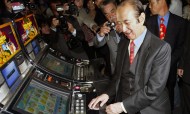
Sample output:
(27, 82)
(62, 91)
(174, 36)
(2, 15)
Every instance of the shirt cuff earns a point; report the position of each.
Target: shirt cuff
(123, 108)
(74, 32)
(100, 38)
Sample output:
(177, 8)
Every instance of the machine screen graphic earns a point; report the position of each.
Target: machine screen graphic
(10, 73)
(27, 28)
(39, 100)
(57, 65)
(8, 43)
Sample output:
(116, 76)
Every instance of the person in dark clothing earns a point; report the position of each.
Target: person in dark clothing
(174, 35)
(184, 75)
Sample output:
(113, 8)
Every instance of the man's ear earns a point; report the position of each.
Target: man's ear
(141, 18)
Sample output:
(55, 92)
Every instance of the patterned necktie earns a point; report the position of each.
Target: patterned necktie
(162, 29)
(132, 49)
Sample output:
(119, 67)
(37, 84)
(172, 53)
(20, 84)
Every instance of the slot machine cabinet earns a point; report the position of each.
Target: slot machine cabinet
(30, 39)
(15, 69)
(9, 48)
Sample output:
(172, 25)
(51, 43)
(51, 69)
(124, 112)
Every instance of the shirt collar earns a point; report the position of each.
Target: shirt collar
(166, 17)
(138, 41)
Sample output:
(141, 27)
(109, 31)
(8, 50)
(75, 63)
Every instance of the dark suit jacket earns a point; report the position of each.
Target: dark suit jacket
(175, 34)
(150, 94)
(185, 61)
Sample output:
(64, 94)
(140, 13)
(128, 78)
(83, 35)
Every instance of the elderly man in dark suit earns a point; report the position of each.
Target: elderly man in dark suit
(142, 68)
(173, 33)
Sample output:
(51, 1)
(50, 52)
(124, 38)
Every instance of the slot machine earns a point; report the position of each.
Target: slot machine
(13, 66)
(20, 80)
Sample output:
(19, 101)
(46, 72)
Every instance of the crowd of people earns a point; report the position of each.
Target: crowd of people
(145, 47)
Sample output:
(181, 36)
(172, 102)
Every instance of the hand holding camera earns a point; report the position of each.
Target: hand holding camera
(105, 29)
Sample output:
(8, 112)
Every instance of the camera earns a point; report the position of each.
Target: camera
(110, 24)
(30, 5)
(63, 23)
(17, 6)
(72, 9)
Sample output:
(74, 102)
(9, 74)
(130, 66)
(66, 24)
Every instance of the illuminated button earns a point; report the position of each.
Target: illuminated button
(77, 104)
(77, 108)
(77, 101)
(49, 78)
(82, 111)
(82, 108)
(82, 101)
(82, 104)
(77, 112)
(79, 95)
(77, 87)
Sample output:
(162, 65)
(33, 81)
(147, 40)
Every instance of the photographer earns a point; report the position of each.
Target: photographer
(109, 31)
(68, 36)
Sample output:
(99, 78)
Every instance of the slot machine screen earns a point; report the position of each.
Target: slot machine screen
(27, 28)
(56, 65)
(10, 73)
(36, 50)
(9, 45)
(34, 43)
(36, 46)
(40, 99)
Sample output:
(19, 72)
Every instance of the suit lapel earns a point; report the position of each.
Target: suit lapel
(121, 56)
(143, 54)
(170, 26)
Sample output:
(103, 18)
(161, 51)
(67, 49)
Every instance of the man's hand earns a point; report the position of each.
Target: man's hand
(94, 104)
(180, 72)
(114, 108)
(70, 27)
(104, 30)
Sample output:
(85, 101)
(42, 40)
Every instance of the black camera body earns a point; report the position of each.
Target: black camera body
(63, 23)
(30, 5)
(110, 24)
(63, 19)
(73, 9)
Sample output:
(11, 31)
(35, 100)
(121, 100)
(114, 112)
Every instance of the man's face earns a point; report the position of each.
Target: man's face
(155, 6)
(55, 22)
(8, 4)
(109, 11)
(98, 2)
(79, 3)
(131, 25)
